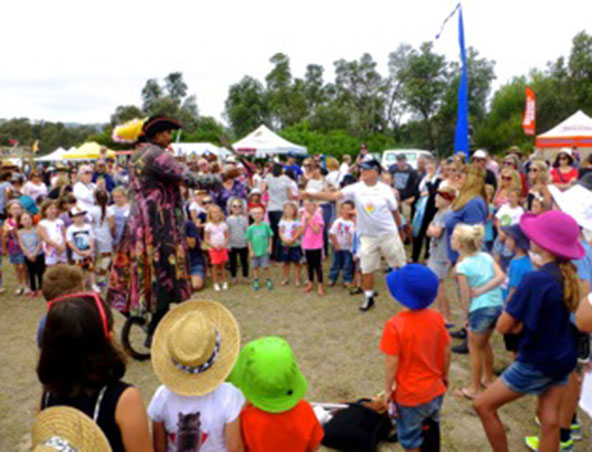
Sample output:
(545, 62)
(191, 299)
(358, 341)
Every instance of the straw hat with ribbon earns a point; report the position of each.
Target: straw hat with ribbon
(67, 429)
(195, 346)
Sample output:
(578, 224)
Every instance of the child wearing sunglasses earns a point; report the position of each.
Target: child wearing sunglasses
(238, 223)
(80, 366)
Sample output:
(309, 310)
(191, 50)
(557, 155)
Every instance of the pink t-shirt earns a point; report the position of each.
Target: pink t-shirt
(217, 232)
(310, 240)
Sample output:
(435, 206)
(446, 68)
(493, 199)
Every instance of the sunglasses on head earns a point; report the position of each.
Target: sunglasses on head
(236, 206)
(86, 295)
(206, 202)
(508, 162)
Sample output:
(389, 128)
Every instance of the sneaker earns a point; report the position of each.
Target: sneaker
(368, 304)
(19, 291)
(576, 431)
(583, 342)
(2, 290)
(269, 284)
(225, 286)
(461, 349)
(460, 334)
(532, 442)
(256, 285)
(216, 287)
(96, 288)
(356, 291)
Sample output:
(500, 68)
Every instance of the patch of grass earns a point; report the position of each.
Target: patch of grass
(336, 347)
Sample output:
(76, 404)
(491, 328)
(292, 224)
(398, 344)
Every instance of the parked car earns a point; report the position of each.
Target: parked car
(389, 157)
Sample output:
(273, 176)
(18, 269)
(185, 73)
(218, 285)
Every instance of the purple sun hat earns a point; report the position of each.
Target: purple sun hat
(554, 231)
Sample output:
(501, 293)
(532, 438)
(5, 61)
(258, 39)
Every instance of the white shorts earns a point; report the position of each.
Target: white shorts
(371, 248)
(54, 258)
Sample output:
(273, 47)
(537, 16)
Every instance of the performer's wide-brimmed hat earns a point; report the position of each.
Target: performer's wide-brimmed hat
(158, 123)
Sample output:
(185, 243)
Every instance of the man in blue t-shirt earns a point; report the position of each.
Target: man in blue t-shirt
(292, 165)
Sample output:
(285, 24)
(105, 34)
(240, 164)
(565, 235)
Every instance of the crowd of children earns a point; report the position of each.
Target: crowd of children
(521, 273)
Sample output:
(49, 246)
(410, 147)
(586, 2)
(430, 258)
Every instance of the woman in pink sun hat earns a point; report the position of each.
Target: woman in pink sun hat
(539, 312)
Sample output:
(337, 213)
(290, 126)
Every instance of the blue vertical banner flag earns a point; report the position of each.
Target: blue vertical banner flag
(461, 131)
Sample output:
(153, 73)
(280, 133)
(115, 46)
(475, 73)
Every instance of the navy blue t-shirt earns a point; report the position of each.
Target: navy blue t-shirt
(548, 340)
(195, 256)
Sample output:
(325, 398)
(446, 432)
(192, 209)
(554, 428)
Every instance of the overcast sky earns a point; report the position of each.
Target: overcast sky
(75, 61)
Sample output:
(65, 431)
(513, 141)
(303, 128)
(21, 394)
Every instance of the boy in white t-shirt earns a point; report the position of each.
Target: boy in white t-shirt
(341, 235)
(80, 239)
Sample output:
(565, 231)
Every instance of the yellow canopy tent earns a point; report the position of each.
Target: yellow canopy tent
(88, 151)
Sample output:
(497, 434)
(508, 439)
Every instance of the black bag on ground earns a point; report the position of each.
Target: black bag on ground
(358, 429)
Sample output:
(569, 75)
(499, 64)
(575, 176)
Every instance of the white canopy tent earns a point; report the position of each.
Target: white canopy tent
(574, 131)
(52, 156)
(198, 149)
(265, 142)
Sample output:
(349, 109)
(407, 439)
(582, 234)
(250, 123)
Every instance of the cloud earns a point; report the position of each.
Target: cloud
(70, 61)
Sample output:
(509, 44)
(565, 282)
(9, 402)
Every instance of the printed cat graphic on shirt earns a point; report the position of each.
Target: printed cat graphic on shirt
(189, 436)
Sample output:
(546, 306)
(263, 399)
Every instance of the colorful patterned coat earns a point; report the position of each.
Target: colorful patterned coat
(150, 264)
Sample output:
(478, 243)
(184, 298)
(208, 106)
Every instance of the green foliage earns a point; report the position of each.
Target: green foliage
(246, 106)
(413, 105)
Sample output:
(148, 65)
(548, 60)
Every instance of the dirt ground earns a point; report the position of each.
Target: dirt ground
(336, 346)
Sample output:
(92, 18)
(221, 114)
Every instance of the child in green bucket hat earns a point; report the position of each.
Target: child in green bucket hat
(276, 416)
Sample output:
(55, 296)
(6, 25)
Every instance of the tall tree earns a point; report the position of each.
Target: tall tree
(286, 98)
(424, 81)
(362, 89)
(124, 113)
(246, 106)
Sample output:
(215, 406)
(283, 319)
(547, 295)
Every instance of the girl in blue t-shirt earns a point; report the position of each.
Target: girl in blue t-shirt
(479, 278)
(539, 311)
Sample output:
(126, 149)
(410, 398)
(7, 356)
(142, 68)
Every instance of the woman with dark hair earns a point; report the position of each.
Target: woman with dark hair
(563, 174)
(231, 187)
(278, 186)
(428, 187)
(585, 166)
(80, 366)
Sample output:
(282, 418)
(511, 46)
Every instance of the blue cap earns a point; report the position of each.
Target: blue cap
(371, 164)
(516, 233)
(414, 286)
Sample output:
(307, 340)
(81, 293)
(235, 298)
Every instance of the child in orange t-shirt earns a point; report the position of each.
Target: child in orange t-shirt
(276, 417)
(417, 349)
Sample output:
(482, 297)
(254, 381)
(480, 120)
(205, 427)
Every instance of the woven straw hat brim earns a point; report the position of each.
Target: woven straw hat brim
(185, 383)
(71, 425)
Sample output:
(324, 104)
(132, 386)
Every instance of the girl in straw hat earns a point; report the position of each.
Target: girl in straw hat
(65, 428)
(80, 366)
(194, 349)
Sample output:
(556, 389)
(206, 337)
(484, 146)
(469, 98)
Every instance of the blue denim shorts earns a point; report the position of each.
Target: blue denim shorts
(483, 320)
(198, 269)
(17, 258)
(525, 378)
(410, 421)
(260, 261)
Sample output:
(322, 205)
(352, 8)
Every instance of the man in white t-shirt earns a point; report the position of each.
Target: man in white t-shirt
(378, 223)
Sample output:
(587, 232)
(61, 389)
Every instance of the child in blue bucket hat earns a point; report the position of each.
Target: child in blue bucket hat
(518, 244)
(417, 348)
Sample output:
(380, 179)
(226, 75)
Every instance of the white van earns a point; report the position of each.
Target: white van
(389, 157)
